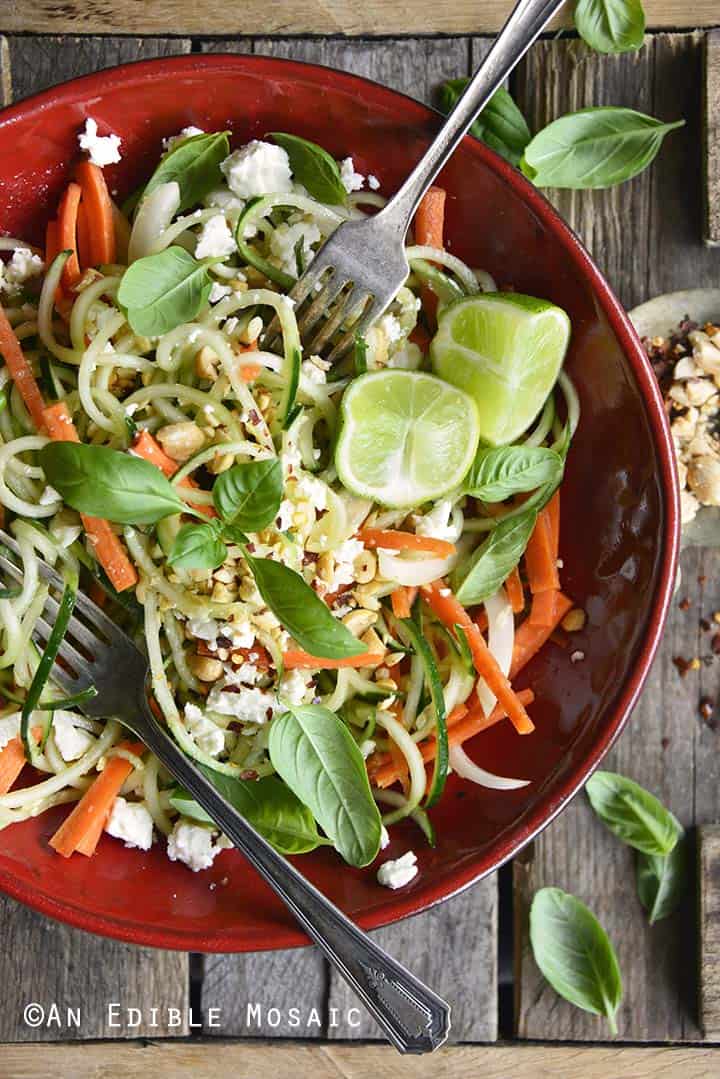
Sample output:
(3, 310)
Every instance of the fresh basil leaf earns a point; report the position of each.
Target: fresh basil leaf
(498, 473)
(434, 683)
(633, 814)
(594, 148)
(489, 565)
(314, 168)
(574, 953)
(302, 612)
(500, 125)
(267, 803)
(661, 882)
(197, 546)
(249, 495)
(162, 291)
(611, 25)
(314, 752)
(194, 165)
(107, 483)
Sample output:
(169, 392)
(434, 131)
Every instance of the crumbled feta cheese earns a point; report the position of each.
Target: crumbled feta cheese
(351, 180)
(249, 705)
(384, 837)
(310, 489)
(230, 204)
(285, 239)
(283, 521)
(392, 329)
(207, 735)
(22, 266)
(291, 460)
(373, 182)
(295, 687)
(577, 657)
(215, 239)
(71, 741)
(398, 872)
(312, 371)
(439, 523)
(344, 568)
(103, 149)
(9, 729)
(239, 632)
(131, 822)
(187, 133)
(203, 629)
(407, 358)
(49, 496)
(193, 844)
(218, 292)
(260, 168)
(245, 674)
(368, 746)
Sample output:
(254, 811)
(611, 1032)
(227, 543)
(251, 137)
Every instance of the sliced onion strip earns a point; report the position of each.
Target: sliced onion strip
(467, 769)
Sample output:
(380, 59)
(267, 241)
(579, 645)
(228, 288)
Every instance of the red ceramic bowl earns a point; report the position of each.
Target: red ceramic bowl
(619, 514)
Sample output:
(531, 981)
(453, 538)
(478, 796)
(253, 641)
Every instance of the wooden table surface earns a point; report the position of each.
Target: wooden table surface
(647, 236)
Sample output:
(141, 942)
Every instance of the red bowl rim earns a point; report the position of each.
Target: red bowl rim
(514, 838)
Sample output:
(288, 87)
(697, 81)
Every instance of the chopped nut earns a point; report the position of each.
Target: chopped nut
(181, 440)
(221, 462)
(222, 594)
(704, 479)
(252, 331)
(206, 363)
(359, 621)
(365, 567)
(205, 668)
(325, 567)
(373, 643)
(574, 620)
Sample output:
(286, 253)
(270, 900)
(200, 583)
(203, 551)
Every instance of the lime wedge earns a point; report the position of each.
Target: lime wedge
(505, 350)
(405, 438)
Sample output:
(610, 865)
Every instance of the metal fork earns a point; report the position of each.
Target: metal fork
(95, 652)
(358, 271)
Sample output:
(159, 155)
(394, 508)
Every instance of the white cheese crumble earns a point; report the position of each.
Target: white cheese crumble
(131, 822)
(351, 180)
(71, 741)
(9, 729)
(218, 292)
(203, 629)
(193, 845)
(384, 838)
(103, 149)
(215, 239)
(344, 568)
(187, 133)
(398, 872)
(284, 518)
(285, 239)
(22, 266)
(251, 705)
(49, 496)
(309, 489)
(373, 182)
(207, 735)
(295, 687)
(439, 523)
(260, 168)
(312, 371)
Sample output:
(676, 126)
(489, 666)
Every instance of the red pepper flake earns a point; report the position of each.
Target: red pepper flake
(715, 643)
(684, 604)
(704, 625)
(707, 709)
(682, 664)
(664, 742)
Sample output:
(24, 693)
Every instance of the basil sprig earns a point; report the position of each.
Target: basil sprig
(498, 473)
(249, 495)
(633, 814)
(611, 26)
(194, 165)
(162, 291)
(500, 125)
(489, 565)
(313, 751)
(574, 953)
(314, 168)
(198, 546)
(594, 148)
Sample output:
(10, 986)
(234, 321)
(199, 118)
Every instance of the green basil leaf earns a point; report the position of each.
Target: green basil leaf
(162, 291)
(434, 683)
(249, 495)
(314, 752)
(194, 165)
(107, 483)
(498, 473)
(496, 557)
(594, 148)
(574, 953)
(267, 803)
(302, 612)
(500, 125)
(197, 546)
(611, 25)
(633, 814)
(314, 168)
(661, 882)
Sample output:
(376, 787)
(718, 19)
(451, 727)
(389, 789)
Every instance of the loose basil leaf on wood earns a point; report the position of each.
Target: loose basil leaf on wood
(633, 814)
(107, 483)
(594, 148)
(162, 291)
(314, 168)
(574, 953)
(194, 165)
(661, 882)
(249, 495)
(611, 25)
(489, 565)
(267, 803)
(302, 612)
(197, 546)
(500, 125)
(498, 473)
(314, 752)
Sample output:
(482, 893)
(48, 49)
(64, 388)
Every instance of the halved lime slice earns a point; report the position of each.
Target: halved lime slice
(505, 350)
(406, 437)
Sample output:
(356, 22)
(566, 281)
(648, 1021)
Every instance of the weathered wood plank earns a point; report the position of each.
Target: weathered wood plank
(296, 17)
(711, 109)
(5, 87)
(189, 1060)
(709, 929)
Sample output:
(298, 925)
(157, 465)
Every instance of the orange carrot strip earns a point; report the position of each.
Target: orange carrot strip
(514, 588)
(81, 830)
(540, 559)
(67, 233)
(108, 548)
(299, 660)
(101, 224)
(430, 218)
(13, 760)
(529, 639)
(402, 600)
(406, 541)
(250, 371)
(452, 613)
(83, 237)
(147, 447)
(553, 510)
(21, 371)
(542, 610)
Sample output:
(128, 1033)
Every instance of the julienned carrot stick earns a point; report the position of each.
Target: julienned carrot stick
(21, 371)
(147, 447)
(83, 237)
(250, 371)
(452, 613)
(514, 588)
(81, 830)
(67, 233)
(430, 218)
(98, 204)
(406, 541)
(553, 509)
(402, 600)
(540, 557)
(542, 610)
(108, 548)
(299, 660)
(529, 639)
(13, 760)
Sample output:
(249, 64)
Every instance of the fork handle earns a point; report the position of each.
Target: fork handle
(526, 21)
(415, 1019)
